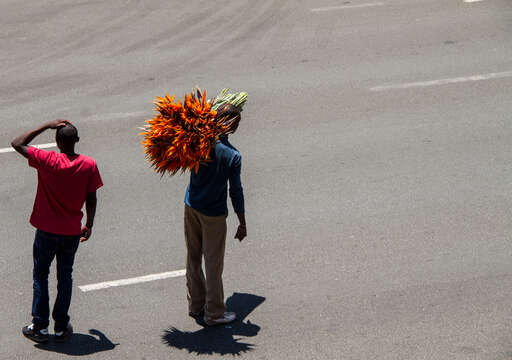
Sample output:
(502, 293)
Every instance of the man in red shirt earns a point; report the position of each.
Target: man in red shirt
(65, 181)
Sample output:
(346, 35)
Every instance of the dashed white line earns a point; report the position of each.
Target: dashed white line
(41, 146)
(472, 1)
(343, 7)
(444, 81)
(131, 281)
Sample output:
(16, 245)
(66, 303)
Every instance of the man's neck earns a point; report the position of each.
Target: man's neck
(69, 152)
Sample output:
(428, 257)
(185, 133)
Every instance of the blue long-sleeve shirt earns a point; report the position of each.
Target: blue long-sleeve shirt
(207, 190)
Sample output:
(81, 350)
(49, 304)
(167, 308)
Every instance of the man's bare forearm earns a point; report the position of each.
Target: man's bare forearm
(241, 218)
(241, 232)
(21, 142)
(90, 208)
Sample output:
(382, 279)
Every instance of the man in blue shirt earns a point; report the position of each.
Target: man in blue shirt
(206, 211)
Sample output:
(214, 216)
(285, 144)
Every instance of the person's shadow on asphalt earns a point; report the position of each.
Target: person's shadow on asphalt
(219, 339)
(81, 344)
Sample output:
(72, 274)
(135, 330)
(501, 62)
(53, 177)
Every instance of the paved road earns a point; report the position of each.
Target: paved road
(378, 197)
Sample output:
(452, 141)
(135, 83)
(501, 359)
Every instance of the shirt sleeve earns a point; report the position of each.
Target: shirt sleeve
(38, 158)
(95, 181)
(236, 192)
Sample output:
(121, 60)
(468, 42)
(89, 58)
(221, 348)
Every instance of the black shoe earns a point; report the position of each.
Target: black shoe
(65, 335)
(34, 334)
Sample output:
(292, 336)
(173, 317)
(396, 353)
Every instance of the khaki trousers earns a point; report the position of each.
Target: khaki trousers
(205, 236)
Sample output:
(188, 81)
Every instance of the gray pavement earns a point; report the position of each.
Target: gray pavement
(379, 221)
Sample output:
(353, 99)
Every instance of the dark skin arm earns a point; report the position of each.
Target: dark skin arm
(90, 208)
(241, 232)
(20, 144)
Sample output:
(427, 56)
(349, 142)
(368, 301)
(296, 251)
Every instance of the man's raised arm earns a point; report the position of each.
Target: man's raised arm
(20, 144)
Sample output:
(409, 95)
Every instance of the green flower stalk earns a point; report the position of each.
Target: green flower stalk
(225, 97)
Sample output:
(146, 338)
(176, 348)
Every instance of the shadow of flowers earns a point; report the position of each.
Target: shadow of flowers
(219, 339)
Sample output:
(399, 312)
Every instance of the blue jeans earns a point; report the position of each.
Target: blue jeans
(46, 247)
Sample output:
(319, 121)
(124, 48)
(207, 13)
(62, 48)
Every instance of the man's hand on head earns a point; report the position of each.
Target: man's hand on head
(58, 123)
(20, 144)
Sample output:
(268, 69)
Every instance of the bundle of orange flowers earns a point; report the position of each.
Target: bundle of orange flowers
(181, 135)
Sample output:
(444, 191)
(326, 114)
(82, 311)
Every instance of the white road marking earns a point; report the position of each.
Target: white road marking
(444, 81)
(342, 7)
(41, 146)
(470, 1)
(131, 281)
(6, 150)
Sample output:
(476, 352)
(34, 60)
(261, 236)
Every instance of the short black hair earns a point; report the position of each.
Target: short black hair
(229, 115)
(67, 134)
(228, 111)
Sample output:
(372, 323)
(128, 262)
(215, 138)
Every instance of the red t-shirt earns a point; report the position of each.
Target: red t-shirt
(63, 183)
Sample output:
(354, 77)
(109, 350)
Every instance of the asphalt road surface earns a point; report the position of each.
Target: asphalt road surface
(377, 174)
